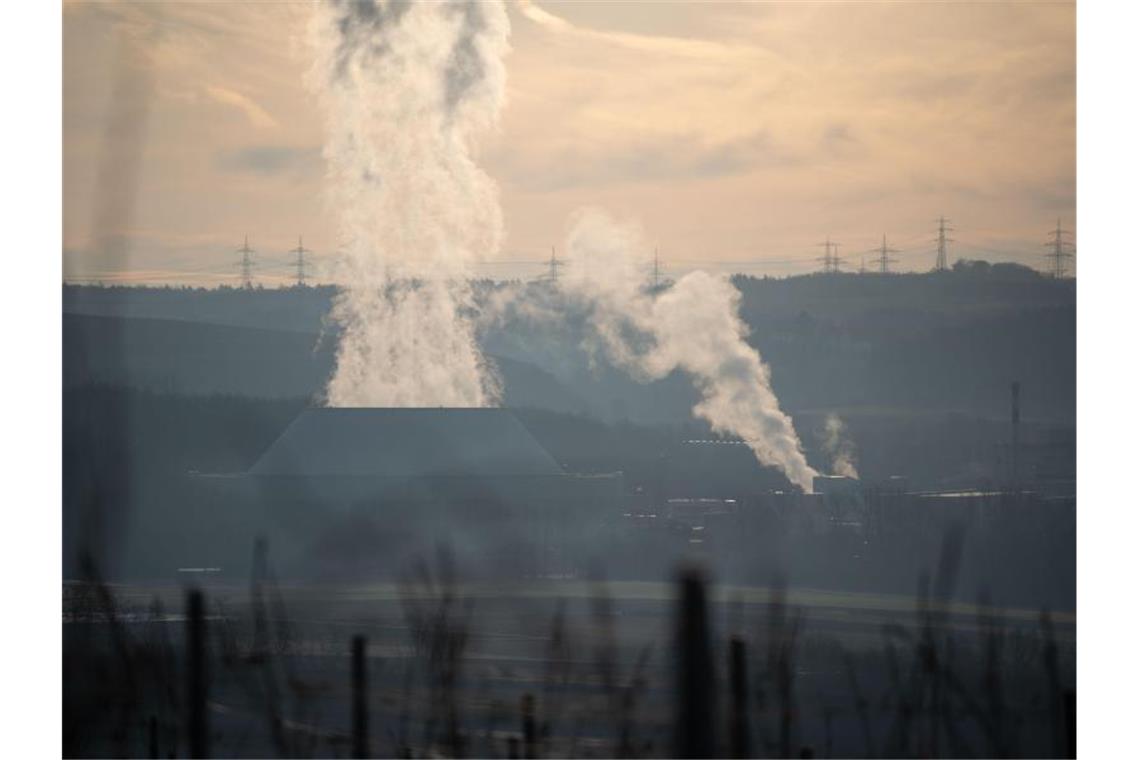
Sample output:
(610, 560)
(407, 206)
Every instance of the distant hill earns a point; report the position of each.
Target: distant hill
(949, 341)
(162, 381)
(909, 343)
(282, 309)
(194, 358)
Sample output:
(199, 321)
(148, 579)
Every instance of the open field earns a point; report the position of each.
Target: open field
(453, 668)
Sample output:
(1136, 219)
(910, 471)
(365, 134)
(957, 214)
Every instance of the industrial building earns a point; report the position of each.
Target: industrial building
(363, 490)
(834, 485)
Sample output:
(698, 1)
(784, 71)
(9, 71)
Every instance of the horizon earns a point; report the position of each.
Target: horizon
(535, 271)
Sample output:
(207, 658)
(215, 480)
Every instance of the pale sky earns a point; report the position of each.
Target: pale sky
(739, 135)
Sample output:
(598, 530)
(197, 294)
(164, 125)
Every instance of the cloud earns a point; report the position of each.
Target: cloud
(257, 115)
(653, 158)
(685, 47)
(270, 160)
(839, 140)
(1057, 196)
(735, 112)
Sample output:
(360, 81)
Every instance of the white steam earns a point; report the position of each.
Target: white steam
(839, 447)
(406, 88)
(693, 326)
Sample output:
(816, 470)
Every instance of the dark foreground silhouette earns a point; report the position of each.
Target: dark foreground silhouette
(433, 666)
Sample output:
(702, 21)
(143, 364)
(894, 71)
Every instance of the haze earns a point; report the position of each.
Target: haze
(740, 135)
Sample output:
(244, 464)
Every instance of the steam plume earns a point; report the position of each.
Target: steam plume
(693, 326)
(839, 447)
(406, 88)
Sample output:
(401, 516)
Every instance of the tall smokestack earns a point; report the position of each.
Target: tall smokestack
(1015, 422)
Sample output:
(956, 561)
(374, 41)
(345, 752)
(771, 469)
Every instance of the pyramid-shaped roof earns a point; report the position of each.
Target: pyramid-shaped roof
(405, 444)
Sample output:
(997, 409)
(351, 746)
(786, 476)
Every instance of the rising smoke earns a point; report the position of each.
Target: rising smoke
(837, 444)
(406, 89)
(692, 326)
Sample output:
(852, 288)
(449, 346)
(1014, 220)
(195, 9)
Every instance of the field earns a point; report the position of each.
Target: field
(564, 668)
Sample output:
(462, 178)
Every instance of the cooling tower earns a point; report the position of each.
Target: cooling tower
(366, 489)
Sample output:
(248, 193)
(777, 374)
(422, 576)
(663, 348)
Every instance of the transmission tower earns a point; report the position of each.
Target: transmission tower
(830, 259)
(656, 269)
(246, 264)
(942, 240)
(884, 259)
(826, 258)
(300, 252)
(1063, 250)
(554, 265)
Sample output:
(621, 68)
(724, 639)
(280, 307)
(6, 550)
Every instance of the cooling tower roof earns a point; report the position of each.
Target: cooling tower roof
(405, 444)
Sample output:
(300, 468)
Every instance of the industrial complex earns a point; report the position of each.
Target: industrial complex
(360, 490)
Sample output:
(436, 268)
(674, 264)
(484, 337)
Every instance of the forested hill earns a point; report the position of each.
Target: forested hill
(894, 302)
(939, 341)
(910, 343)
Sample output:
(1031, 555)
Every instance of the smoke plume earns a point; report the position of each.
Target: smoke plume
(692, 326)
(406, 88)
(839, 447)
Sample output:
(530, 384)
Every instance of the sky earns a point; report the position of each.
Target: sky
(738, 135)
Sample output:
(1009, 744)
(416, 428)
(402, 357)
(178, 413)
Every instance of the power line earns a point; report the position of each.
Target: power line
(246, 264)
(1063, 250)
(826, 258)
(554, 265)
(836, 262)
(830, 259)
(884, 259)
(300, 251)
(942, 240)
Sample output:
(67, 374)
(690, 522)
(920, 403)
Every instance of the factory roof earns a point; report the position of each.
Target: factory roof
(406, 444)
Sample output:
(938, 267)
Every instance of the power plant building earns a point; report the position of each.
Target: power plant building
(366, 488)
